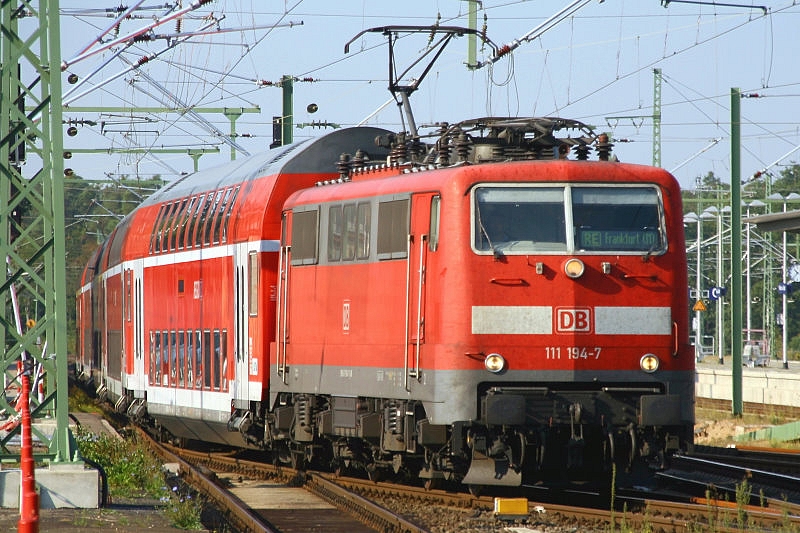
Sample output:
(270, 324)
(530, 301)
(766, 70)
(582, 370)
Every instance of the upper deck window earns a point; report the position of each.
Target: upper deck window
(567, 219)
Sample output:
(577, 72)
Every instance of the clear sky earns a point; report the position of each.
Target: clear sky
(595, 65)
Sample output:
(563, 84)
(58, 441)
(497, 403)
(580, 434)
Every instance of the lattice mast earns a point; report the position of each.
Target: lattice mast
(33, 318)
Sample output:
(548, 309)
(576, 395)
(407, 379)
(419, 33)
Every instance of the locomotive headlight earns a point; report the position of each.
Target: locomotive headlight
(649, 363)
(574, 268)
(494, 363)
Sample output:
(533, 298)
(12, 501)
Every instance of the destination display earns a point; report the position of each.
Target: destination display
(608, 239)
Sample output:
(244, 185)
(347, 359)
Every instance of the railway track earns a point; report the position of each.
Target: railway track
(270, 508)
(759, 485)
(390, 507)
(778, 460)
(384, 506)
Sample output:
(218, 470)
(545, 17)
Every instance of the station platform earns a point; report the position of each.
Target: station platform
(770, 385)
(60, 485)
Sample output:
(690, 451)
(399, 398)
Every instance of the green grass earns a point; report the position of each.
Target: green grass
(80, 402)
(132, 471)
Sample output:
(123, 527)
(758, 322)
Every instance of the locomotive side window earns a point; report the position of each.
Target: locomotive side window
(393, 229)
(433, 232)
(252, 283)
(349, 214)
(335, 230)
(520, 219)
(617, 219)
(364, 218)
(304, 237)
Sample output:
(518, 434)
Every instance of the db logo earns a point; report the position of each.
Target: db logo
(574, 320)
(346, 317)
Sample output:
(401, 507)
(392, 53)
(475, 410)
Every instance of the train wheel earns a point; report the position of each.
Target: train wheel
(282, 455)
(298, 459)
(374, 474)
(433, 483)
(476, 490)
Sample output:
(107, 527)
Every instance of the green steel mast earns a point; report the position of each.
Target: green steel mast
(33, 318)
(657, 117)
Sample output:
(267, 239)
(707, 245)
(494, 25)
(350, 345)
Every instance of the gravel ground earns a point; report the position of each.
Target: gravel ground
(129, 517)
(136, 516)
(451, 520)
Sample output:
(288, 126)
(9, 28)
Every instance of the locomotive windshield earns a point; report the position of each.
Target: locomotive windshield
(602, 219)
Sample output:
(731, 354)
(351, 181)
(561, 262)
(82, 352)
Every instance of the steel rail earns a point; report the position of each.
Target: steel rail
(243, 517)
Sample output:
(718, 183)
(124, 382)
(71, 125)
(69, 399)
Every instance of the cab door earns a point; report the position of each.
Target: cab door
(418, 247)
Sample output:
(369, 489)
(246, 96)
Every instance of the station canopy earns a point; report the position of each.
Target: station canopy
(784, 221)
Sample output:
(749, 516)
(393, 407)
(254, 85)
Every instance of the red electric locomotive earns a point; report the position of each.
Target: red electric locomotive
(489, 306)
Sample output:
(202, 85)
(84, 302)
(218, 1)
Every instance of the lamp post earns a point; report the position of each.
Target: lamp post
(693, 218)
(785, 287)
(748, 256)
(713, 211)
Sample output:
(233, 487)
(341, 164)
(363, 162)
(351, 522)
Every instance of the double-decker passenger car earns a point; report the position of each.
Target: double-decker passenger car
(486, 307)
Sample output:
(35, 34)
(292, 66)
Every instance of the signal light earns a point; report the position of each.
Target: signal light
(72, 131)
(72, 79)
(67, 155)
(312, 108)
(68, 172)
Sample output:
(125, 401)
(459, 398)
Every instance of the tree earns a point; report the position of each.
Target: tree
(92, 209)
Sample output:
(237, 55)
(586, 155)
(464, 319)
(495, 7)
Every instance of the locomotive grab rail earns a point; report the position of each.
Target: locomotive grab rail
(409, 371)
(651, 277)
(409, 240)
(654, 390)
(675, 339)
(423, 239)
(509, 281)
(283, 267)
